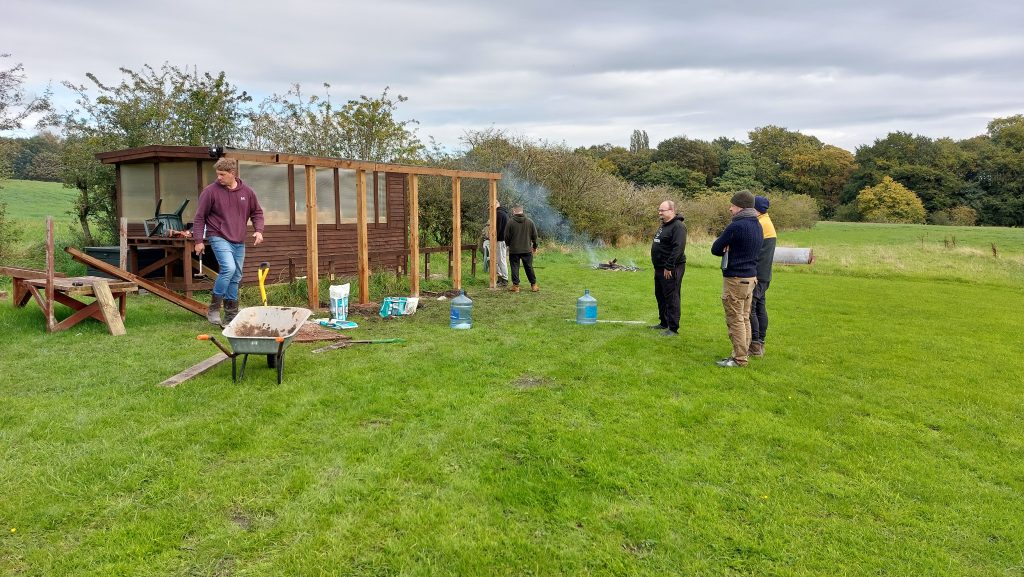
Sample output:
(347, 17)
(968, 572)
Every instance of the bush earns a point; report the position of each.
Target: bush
(963, 216)
(939, 218)
(890, 201)
(847, 213)
(10, 236)
(707, 214)
(793, 211)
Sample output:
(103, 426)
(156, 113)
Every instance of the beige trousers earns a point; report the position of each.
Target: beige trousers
(737, 296)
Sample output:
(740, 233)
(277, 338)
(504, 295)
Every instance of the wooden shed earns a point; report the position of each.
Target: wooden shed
(323, 215)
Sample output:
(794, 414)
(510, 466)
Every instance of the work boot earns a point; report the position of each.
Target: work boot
(230, 311)
(514, 288)
(756, 349)
(535, 288)
(213, 313)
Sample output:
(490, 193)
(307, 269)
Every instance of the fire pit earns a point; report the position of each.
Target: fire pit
(613, 265)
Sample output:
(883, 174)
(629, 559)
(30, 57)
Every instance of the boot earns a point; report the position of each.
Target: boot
(213, 314)
(230, 311)
(756, 349)
(535, 288)
(514, 288)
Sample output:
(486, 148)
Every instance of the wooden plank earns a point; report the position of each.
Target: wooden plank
(456, 272)
(492, 232)
(312, 249)
(160, 291)
(51, 323)
(414, 235)
(195, 370)
(362, 240)
(108, 308)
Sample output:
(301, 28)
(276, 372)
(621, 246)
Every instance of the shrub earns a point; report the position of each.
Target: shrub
(890, 201)
(706, 214)
(939, 218)
(10, 235)
(963, 216)
(847, 213)
(793, 211)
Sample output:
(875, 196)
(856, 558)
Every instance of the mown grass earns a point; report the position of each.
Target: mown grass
(881, 434)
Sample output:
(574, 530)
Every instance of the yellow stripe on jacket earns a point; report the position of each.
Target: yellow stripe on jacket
(767, 225)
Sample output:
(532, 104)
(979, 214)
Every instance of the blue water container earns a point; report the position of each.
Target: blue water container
(586, 309)
(462, 312)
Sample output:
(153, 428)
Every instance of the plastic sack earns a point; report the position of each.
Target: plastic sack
(339, 301)
(398, 306)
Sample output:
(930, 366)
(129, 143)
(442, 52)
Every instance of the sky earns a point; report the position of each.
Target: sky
(578, 72)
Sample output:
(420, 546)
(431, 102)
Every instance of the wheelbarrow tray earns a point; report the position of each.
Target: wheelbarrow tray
(255, 330)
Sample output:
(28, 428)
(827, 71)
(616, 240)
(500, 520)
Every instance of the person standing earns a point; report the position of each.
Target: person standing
(225, 208)
(501, 222)
(739, 245)
(668, 255)
(758, 310)
(521, 239)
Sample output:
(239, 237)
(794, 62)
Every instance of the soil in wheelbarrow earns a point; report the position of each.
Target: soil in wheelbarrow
(261, 330)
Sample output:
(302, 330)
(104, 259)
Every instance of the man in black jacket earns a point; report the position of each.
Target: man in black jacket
(739, 246)
(668, 255)
(502, 255)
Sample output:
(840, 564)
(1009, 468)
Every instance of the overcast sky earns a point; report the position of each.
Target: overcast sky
(572, 71)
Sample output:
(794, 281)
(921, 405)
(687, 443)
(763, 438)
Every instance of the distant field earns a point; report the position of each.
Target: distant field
(32, 199)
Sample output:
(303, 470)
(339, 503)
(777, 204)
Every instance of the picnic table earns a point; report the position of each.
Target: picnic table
(108, 306)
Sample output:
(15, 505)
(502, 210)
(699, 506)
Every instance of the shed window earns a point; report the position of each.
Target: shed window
(138, 192)
(270, 182)
(324, 195)
(177, 183)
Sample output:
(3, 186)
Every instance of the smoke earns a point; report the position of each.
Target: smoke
(551, 223)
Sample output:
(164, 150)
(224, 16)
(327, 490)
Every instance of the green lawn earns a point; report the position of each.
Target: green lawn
(881, 435)
(33, 199)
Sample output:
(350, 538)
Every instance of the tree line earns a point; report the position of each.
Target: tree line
(600, 192)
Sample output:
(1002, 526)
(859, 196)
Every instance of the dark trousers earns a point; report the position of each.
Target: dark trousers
(666, 291)
(527, 260)
(758, 313)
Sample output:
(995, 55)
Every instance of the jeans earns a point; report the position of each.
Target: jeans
(230, 257)
(759, 313)
(737, 296)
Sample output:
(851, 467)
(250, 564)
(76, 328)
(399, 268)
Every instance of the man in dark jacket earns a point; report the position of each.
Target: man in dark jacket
(668, 255)
(521, 238)
(739, 245)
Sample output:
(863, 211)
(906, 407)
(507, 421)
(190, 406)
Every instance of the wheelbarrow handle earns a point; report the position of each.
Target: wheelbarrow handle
(216, 342)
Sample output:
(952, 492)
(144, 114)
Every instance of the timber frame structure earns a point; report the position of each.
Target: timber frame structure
(148, 174)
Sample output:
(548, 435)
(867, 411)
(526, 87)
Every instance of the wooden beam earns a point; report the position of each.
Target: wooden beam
(312, 249)
(122, 235)
(51, 323)
(457, 232)
(492, 233)
(108, 308)
(414, 234)
(195, 370)
(362, 239)
(157, 289)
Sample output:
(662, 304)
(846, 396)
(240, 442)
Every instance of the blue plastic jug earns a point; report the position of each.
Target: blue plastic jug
(586, 309)
(462, 311)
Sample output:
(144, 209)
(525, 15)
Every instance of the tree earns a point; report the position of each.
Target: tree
(362, 129)
(15, 105)
(890, 201)
(740, 172)
(639, 142)
(172, 106)
(696, 155)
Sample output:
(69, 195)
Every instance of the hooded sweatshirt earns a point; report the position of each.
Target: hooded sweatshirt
(669, 247)
(743, 237)
(520, 235)
(225, 213)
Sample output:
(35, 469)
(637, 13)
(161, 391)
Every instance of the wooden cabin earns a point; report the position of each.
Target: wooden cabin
(322, 215)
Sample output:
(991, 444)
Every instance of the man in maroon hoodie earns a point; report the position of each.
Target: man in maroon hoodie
(225, 208)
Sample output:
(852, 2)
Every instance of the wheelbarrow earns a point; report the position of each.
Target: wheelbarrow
(261, 331)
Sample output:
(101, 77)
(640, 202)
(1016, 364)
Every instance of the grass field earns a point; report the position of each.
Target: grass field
(881, 435)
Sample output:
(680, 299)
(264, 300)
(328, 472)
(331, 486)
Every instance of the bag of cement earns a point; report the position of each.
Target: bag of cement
(398, 306)
(339, 301)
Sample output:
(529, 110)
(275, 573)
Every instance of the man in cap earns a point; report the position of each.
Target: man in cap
(758, 312)
(739, 245)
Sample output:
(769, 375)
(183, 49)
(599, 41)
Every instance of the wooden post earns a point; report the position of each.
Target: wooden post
(123, 236)
(414, 235)
(457, 232)
(492, 233)
(362, 241)
(312, 250)
(51, 323)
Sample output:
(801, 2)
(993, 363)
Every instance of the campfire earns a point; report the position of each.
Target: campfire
(613, 265)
